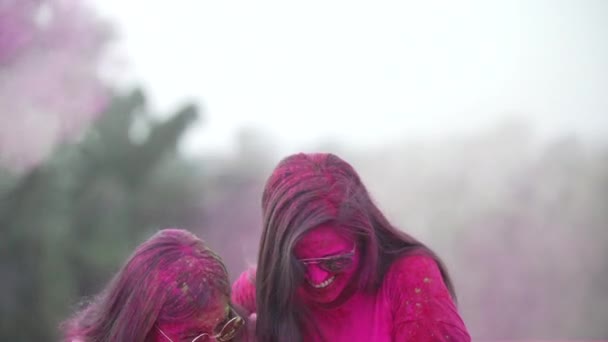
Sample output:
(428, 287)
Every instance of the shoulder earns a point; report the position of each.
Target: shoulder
(246, 278)
(413, 274)
(414, 267)
(243, 290)
(422, 306)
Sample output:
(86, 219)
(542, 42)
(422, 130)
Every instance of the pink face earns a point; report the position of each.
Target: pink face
(331, 260)
(215, 314)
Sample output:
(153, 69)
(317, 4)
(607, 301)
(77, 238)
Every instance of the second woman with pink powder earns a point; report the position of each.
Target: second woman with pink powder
(331, 267)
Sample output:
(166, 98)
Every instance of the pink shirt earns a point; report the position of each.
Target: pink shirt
(413, 304)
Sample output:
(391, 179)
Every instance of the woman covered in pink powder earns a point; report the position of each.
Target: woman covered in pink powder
(332, 268)
(172, 288)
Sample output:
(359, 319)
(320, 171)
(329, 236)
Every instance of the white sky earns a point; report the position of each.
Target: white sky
(365, 72)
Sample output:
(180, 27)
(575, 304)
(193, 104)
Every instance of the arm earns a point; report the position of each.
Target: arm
(243, 291)
(422, 307)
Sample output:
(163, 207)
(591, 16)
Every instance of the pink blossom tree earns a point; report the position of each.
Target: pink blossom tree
(51, 52)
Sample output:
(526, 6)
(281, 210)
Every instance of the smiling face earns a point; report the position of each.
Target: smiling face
(330, 260)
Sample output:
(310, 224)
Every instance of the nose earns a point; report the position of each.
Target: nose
(316, 275)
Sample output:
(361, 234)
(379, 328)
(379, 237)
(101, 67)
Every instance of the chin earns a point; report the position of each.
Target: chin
(326, 295)
(324, 298)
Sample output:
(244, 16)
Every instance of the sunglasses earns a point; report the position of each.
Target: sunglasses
(228, 330)
(334, 263)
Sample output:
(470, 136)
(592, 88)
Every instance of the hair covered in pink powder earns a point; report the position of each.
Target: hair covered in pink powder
(172, 281)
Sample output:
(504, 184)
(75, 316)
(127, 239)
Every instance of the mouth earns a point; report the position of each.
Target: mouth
(324, 284)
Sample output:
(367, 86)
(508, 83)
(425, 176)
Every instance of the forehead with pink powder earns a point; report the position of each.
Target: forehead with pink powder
(324, 240)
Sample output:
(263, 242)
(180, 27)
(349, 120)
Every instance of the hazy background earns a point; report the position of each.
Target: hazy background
(480, 127)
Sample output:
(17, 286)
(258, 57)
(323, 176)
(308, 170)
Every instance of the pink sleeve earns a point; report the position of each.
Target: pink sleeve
(422, 307)
(243, 291)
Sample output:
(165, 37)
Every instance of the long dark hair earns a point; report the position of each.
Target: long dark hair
(172, 277)
(304, 191)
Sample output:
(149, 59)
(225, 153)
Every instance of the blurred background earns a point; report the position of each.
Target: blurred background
(480, 127)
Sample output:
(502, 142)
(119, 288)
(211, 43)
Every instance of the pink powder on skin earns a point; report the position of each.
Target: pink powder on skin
(320, 242)
(412, 304)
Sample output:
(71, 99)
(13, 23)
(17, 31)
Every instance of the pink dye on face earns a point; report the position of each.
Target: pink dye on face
(325, 241)
(412, 304)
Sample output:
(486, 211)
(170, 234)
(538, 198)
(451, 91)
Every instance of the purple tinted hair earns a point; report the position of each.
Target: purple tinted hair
(172, 277)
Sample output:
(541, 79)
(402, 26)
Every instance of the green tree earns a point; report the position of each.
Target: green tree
(69, 222)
